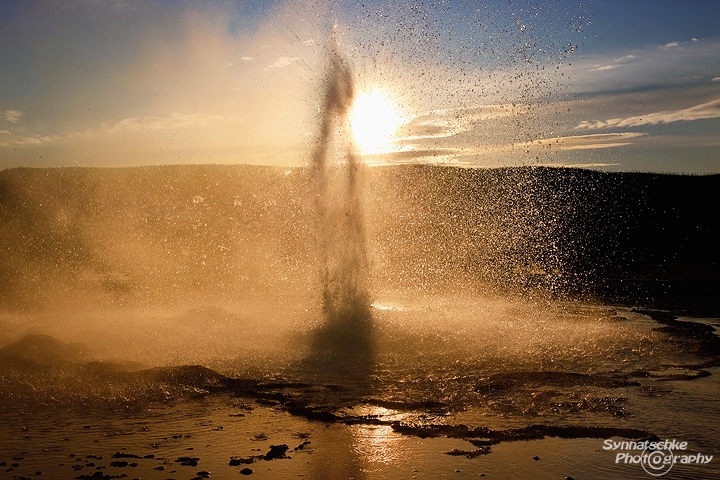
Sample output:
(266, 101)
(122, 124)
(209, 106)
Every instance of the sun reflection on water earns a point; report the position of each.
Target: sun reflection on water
(377, 443)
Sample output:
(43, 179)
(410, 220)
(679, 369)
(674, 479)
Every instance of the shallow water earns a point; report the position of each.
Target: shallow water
(494, 363)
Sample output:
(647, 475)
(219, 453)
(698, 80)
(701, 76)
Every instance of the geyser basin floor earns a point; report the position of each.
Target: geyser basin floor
(181, 439)
(551, 380)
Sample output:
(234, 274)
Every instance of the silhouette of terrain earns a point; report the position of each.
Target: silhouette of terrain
(166, 234)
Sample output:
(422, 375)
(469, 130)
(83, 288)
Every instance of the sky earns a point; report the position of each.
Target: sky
(610, 85)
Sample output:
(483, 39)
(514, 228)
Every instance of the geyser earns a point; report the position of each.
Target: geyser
(345, 335)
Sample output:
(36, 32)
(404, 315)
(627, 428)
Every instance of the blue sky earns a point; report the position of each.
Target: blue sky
(612, 85)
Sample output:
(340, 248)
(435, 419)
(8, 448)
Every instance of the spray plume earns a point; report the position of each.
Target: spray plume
(339, 221)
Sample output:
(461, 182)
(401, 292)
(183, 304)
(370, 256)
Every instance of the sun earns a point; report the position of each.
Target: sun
(374, 119)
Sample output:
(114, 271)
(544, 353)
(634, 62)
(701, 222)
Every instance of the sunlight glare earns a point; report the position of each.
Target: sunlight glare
(374, 119)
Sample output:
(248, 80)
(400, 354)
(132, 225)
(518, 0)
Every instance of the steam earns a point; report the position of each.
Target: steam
(339, 220)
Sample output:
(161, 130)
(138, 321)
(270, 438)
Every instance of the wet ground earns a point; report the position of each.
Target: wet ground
(522, 391)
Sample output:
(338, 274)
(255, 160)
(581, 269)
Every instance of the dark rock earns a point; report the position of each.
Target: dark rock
(100, 476)
(468, 453)
(119, 463)
(188, 461)
(276, 451)
(302, 445)
(536, 458)
(234, 461)
(203, 474)
(161, 468)
(124, 455)
(246, 471)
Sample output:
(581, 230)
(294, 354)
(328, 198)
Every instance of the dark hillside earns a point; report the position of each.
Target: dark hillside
(191, 233)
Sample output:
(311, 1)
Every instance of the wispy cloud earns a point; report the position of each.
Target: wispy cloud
(562, 143)
(12, 116)
(283, 62)
(449, 122)
(585, 165)
(618, 62)
(583, 142)
(600, 68)
(698, 112)
(626, 58)
(175, 120)
(671, 45)
(127, 125)
(716, 79)
(8, 139)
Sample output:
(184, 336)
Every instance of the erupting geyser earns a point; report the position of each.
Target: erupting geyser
(339, 224)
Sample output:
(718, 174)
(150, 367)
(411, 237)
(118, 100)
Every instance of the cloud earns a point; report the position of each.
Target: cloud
(584, 142)
(626, 58)
(671, 45)
(175, 120)
(698, 112)
(587, 165)
(283, 62)
(604, 67)
(716, 79)
(8, 139)
(12, 116)
(470, 154)
(619, 62)
(649, 68)
(150, 84)
(449, 122)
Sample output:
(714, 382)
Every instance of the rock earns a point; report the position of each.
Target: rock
(246, 471)
(276, 451)
(234, 461)
(124, 455)
(302, 445)
(188, 461)
(536, 458)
